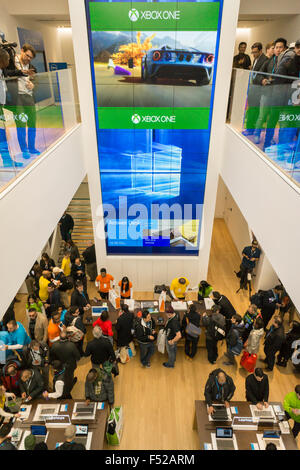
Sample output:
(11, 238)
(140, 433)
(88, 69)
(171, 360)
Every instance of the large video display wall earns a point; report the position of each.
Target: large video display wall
(153, 68)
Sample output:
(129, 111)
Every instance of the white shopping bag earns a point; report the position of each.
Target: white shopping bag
(161, 341)
(114, 299)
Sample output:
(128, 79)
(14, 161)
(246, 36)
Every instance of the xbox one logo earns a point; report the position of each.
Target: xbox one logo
(133, 14)
(23, 117)
(136, 118)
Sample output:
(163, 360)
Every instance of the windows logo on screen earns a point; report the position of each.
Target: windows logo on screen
(136, 119)
(133, 14)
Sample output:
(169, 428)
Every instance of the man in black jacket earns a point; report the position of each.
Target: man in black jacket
(124, 327)
(78, 272)
(70, 443)
(215, 331)
(66, 224)
(89, 256)
(227, 309)
(100, 349)
(31, 384)
(219, 388)
(257, 389)
(146, 335)
(273, 341)
(79, 298)
(255, 88)
(67, 353)
(36, 356)
(270, 302)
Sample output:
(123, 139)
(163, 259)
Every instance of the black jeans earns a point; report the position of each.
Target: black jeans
(212, 349)
(270, 358)
(190, 346)
(103, 295)
(296, 427)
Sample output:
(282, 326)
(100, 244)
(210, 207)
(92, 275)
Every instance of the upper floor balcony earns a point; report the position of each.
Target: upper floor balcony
(37, 111)
(265, 109)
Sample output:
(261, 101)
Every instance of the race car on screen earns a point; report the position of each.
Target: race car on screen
(186, 64)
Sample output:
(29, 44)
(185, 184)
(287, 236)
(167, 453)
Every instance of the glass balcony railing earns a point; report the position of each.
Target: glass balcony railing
(265, 108)
(37, 112)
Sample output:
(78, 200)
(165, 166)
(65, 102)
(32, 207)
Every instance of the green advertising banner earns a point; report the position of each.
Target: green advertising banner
(285, 116)
(167, 16)
(153, 118)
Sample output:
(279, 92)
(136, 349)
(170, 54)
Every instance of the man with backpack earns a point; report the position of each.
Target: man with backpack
(218, 388)
(99, 384)
(65, 352)
(234, 339)
(215, 331)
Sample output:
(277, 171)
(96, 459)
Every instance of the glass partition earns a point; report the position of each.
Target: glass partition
(38, 111)
(265, 108)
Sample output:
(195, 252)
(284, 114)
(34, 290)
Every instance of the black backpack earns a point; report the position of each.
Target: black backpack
(258, 298)
(218, 326)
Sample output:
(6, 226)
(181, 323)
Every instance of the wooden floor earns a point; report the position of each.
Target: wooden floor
(158, 403)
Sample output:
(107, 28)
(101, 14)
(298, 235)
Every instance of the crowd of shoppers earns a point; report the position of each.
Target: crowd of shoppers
(52, 341)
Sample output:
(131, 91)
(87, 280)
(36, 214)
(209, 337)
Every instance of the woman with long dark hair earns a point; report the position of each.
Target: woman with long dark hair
(125, 288)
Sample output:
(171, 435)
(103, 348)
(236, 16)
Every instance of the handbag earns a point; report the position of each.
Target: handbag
(192, 330)
(248, 361)
(161, 341)
(114, 426)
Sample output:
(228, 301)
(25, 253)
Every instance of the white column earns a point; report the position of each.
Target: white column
(144, 270)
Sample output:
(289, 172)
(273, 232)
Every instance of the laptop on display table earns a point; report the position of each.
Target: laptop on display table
(221, 413)
(83, 436)
(224, 439)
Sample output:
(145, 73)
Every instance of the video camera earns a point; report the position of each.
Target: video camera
(10, 48)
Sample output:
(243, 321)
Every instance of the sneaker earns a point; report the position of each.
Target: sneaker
(34, 151)
(165, 364)
(26, 155)
(267, 369)
(12, 164)
(148, 365)
(212, 362)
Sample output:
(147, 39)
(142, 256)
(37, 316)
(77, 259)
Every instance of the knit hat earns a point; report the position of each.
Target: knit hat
(30, 442)
(297, 43)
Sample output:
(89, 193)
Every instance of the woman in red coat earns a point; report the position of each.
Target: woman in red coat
(105, 325)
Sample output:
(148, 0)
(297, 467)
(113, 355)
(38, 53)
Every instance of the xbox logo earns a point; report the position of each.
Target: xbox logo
(23, 117)
(136, 118)
(133, 14)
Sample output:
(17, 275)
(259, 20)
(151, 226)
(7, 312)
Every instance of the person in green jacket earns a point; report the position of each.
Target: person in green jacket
(291, 405)
(204, 290)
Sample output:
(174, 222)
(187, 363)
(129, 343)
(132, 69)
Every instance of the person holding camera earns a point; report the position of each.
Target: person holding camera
(250, 255)
(4, 150)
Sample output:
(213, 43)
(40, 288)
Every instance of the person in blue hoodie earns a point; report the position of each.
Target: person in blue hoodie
(18, 337)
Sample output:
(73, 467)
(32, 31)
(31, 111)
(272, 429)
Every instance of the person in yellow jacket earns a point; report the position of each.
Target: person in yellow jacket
(178, 288)
(43, 284)
(66, 264)
(291, 405)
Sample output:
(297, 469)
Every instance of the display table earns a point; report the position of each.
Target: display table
(56, 435)
(244, 438)
(88, 319)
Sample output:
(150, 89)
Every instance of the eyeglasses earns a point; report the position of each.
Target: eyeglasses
(29, 56)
